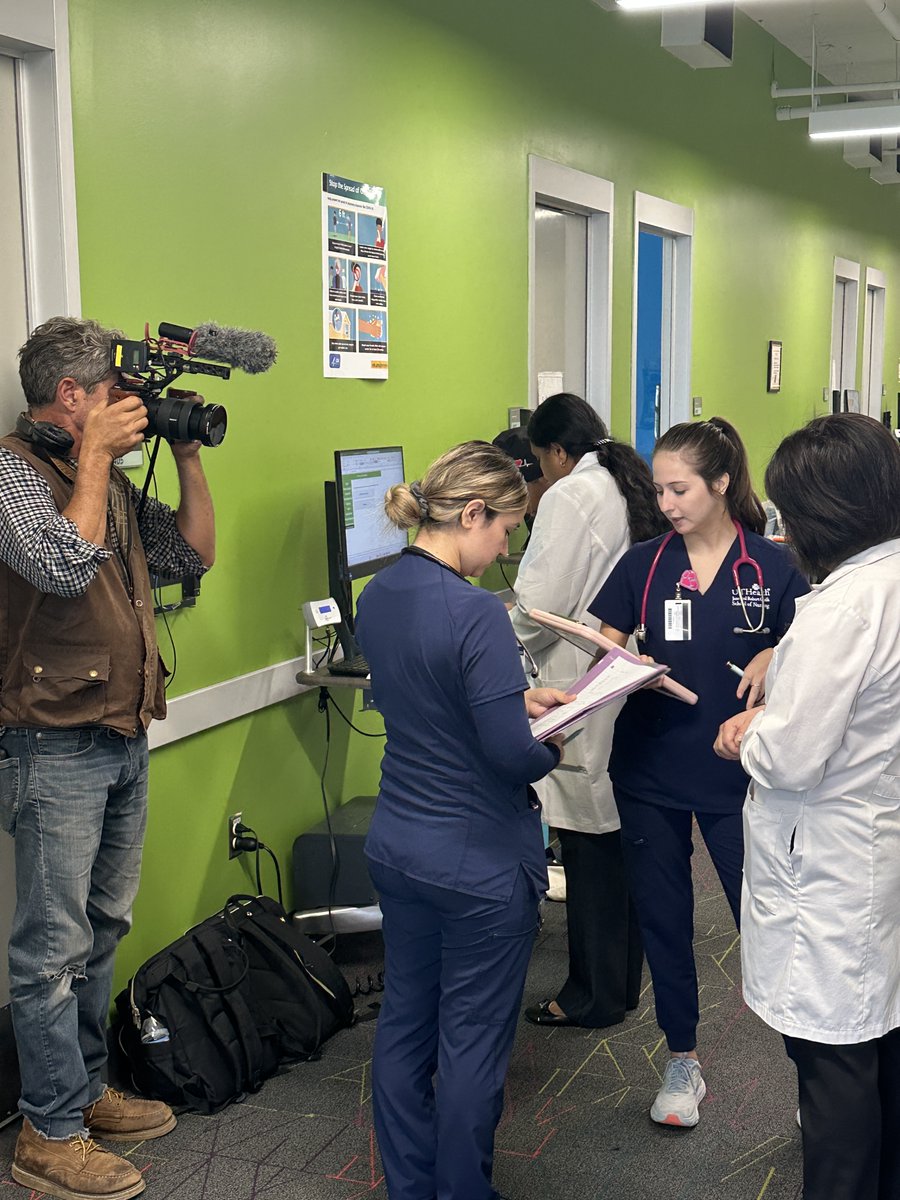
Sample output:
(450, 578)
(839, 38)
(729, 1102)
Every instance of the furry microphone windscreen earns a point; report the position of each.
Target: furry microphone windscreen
(245, 349)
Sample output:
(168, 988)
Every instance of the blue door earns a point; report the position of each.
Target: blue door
(648, 357)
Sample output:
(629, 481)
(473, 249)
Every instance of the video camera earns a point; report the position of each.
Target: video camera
(148, 366)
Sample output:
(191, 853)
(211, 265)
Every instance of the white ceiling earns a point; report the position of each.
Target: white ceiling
(852, 44)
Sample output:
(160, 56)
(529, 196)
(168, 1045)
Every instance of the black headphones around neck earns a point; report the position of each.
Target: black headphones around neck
(44, 434)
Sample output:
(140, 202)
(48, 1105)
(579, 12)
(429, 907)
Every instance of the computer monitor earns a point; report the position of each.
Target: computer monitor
(362, 477)
(360, 539)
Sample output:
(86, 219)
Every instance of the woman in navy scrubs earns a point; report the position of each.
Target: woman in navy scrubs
(455, 847)
(709, 593)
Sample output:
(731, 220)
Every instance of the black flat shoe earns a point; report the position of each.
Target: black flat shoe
(540, 1014)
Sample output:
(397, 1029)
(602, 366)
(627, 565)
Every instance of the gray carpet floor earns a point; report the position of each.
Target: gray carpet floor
(576, 1121)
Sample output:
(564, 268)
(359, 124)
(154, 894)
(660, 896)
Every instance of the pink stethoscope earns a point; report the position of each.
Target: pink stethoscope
(689, 581)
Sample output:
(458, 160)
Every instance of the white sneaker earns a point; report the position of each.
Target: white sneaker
(681, 1092)
(798, 1119)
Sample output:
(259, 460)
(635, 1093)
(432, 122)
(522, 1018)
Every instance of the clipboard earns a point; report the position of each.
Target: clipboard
(612, 678)
(591, 640)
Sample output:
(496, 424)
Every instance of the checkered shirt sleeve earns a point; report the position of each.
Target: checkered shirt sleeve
(39, 543)
(44, 547)
(166, 550)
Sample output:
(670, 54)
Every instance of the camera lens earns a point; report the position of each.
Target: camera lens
(179, 420)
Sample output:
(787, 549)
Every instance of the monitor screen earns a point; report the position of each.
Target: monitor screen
(362, 477)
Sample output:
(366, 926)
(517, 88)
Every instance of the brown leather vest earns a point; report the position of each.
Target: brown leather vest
(80, 660)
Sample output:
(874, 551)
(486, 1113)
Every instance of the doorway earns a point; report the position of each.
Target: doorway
(38, 278)
(873, 344)
(661, 350)
(570, 281)
(560, 301)
(844, 320)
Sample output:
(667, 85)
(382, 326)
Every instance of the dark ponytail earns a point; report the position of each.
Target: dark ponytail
(714, 448)
(568, 421)
(634, 481)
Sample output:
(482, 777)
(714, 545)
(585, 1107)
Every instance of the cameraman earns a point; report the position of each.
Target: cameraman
(80, 681)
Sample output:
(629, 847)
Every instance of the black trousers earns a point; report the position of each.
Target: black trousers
(850, 1113)
(605, 953)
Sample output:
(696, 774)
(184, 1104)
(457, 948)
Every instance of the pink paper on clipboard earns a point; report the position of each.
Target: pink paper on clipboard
(591, 640)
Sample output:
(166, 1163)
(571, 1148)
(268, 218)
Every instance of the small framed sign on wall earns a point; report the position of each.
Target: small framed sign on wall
(773, 373)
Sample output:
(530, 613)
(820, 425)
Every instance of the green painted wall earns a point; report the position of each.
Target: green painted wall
(201, 131)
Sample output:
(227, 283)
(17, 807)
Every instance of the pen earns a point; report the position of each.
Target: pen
(735, 669)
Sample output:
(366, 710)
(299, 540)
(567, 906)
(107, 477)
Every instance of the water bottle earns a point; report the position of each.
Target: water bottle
(153, 1031)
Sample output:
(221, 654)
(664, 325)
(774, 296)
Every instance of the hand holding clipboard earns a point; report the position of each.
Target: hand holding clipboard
(591, 640)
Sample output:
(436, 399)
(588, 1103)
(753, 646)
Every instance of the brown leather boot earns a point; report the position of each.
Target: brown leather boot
(119, 1118)
(76, 1169)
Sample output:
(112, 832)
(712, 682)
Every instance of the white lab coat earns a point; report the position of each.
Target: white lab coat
(820, 943)
(580, 532)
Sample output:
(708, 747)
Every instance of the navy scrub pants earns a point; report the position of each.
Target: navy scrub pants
(454, 974)
(657, 845)
(850, 1110)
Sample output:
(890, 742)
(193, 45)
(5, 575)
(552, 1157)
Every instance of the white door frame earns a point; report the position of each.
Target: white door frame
(873, 343)
(563, 187)
(36, 35)
(846, 272)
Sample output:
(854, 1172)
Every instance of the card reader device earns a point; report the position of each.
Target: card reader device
(318, 614)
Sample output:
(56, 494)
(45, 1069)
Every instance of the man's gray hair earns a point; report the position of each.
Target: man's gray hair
(64, 346)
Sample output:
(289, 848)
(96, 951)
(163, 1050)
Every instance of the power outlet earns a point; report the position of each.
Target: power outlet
(233, 822)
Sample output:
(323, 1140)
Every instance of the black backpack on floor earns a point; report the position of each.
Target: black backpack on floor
(213, 1015)
(298, 995)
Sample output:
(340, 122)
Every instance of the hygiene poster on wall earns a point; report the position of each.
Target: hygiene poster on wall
(354, 279)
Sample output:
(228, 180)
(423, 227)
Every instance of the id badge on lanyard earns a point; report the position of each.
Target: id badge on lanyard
(678, 620)
(678, 611)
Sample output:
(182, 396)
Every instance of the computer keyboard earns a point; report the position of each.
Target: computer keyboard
(356, 665)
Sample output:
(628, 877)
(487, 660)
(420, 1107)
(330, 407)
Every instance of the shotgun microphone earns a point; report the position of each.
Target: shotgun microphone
(245, 349)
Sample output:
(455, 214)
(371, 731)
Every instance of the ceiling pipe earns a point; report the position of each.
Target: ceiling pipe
(814, 91)
(836, 89)
(886, 17)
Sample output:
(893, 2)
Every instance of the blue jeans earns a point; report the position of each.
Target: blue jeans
(75, 801)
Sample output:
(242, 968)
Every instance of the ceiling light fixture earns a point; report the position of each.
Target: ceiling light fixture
(659, 5)
(855, 120)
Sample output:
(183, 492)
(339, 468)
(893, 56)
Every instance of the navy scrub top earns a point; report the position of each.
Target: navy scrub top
(662, 749)
(441, 650)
